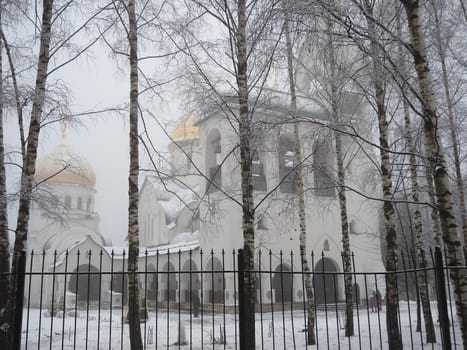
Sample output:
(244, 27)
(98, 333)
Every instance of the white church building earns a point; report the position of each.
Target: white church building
(192, 214)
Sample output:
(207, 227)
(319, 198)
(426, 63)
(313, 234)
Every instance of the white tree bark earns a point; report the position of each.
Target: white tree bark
(452, 125)
(248, 207)
(29, 166)
(433, 146)
(419, 241)
(394, 336)
(311, 340)
(133, 189)
(4, 242)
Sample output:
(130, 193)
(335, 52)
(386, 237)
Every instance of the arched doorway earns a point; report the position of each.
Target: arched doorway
(119, 284)
(151, 283)
(282, 283)
(356, 294)
(168, 283)
(326, 281)
(84, 282)
(189, 280)
(214, 281)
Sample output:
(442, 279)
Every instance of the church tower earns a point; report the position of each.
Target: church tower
(62, 212)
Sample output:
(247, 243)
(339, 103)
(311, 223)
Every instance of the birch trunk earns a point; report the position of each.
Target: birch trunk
(4, 243)
(452, 129)
(29, 168)
(422, 280)
(133, 190)
(346, 254)
(248, 209)
(433, 145)
(419, 243)
(394, 336)
(300, 189)
(19, 107)
(434, 214)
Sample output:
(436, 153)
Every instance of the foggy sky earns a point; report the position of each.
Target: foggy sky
(96, 84)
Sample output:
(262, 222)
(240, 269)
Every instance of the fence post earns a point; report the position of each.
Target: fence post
(241, 301)
(18, 320)
(442, 301)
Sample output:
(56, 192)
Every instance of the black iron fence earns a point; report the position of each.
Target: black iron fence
(190, 300)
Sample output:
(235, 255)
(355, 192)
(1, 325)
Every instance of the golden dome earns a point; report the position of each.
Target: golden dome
(63, 167)
(185, 129)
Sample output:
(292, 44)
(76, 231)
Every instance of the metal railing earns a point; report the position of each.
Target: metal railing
(191, 300)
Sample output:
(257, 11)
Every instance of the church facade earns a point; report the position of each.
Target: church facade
(192, 214)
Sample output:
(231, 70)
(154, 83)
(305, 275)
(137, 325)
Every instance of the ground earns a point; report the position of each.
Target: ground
(281, 330)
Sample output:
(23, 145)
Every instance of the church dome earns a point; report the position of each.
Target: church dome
(63, 167)
(185, 129)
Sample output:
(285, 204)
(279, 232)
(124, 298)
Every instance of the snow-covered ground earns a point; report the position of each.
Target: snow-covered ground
(105, 330)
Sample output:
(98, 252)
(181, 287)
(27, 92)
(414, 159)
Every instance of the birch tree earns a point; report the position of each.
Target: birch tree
(29, 167)
(299, 183)
(60, 50)
(341, 188)
(4, 242)
(248, 208)
(230, 67)
(133, 189)
(441, 48)
(394, 337)
(415, 193)
(435, 154)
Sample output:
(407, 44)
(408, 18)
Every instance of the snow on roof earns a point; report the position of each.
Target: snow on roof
(185, 237)
(173, 196)
(172, 248)
(182, 242)
(116, 251)
(269, 102)
(62, 255)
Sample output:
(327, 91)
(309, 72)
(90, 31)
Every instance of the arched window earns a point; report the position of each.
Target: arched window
(89, 204)
(68, 202)
(80, 203)
(326, 285)
(214, 281)
(213, 161)
(322, 170)
(287, 163)
(257, 172)
(282, 283)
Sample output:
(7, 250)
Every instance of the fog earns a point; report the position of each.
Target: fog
(97, 83)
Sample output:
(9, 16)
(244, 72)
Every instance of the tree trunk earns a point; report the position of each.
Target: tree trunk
(133, 190)
(452, 129)
(300, 188)
(419, 245)
(19, 107)
(422, 280)
(394, 336)
(29, 169)
(346, 253)
(433, 145)
(4, 243)
(248, 209)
